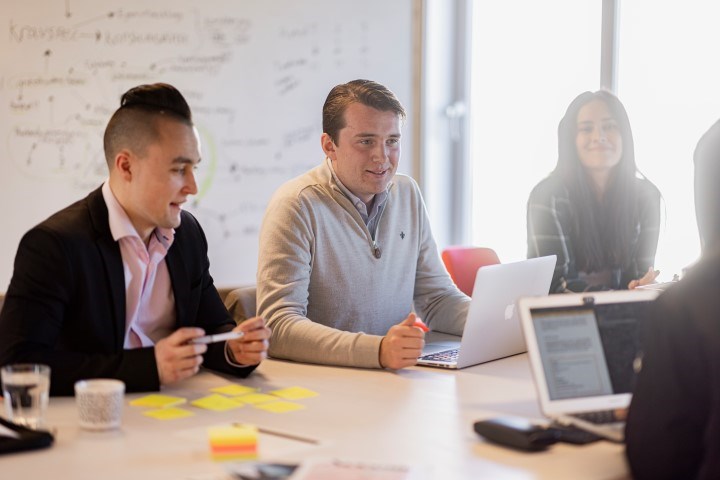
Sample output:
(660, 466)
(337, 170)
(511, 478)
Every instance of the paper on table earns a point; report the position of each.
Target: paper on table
(331, 469)
(658, 286)
(279, 406)
(254, 398)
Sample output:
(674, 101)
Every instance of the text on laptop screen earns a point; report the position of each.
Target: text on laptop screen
(588, 350)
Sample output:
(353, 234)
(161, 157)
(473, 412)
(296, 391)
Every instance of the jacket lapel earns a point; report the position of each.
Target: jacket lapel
(112, 260)
(180, 282)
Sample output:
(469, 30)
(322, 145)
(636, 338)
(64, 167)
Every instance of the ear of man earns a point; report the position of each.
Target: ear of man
(122, 166)
(328, 145)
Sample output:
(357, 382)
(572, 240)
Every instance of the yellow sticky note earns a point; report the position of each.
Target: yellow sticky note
(294, 393)
(235, 435)
(280, 407)
(233, 390)
(216, 402)
(170, 413)
(255, 398)
(156, 400)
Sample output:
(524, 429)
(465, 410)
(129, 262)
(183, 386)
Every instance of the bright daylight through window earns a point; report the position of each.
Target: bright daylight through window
(529, 63)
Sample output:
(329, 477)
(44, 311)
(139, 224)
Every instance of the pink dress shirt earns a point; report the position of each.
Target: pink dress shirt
(149, 298)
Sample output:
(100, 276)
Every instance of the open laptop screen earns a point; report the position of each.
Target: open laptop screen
(588, 350)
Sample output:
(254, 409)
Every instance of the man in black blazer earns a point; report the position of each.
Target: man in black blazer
(673, 426)
(76, 301)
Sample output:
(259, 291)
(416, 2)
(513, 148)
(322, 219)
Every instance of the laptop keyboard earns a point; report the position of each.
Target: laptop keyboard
(445, 356)
(598, 418)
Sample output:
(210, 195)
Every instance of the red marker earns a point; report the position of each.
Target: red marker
(419, 323)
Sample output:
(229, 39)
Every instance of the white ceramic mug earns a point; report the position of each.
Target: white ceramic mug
(100, 403)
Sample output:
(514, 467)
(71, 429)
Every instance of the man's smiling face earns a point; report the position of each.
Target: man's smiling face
(366, 153)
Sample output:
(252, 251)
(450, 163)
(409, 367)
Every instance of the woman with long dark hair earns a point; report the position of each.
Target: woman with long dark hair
(595, 211)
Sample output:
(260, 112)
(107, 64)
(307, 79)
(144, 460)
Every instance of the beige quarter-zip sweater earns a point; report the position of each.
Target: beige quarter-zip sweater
(325, 293)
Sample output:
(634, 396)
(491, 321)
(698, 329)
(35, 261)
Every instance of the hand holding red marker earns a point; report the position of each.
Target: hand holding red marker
(421, 325)
(403, 343)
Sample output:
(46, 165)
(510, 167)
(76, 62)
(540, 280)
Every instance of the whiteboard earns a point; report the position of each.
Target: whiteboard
(255, 73)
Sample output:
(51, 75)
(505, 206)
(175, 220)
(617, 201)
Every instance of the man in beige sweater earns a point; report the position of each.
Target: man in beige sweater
(346, 252)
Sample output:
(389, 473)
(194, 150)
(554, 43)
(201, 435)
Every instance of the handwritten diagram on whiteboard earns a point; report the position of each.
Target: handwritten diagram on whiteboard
(254, 72)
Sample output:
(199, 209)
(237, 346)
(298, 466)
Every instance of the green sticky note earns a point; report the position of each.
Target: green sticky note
(215, 402)
(156, 400)
(294, 393)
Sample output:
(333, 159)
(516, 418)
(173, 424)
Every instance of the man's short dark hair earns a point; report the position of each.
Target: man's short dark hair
(366, 92)
(134, 124)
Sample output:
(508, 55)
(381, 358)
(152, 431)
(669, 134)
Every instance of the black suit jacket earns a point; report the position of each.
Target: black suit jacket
(673, 426)
(65, 306)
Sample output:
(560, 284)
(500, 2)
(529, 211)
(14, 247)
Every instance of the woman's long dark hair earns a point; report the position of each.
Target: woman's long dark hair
(603, 230)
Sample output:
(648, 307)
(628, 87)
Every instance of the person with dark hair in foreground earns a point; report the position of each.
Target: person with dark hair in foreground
(118, 285)
(673, 425)
(595, 211)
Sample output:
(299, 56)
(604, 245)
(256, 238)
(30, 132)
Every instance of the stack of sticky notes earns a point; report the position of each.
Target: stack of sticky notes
(233, 442)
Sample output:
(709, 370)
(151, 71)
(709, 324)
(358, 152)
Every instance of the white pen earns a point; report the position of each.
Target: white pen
(289, 436)
(218, 337)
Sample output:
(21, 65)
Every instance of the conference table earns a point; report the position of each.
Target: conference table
(419, 417)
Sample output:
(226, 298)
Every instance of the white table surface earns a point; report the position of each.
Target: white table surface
(418, 416)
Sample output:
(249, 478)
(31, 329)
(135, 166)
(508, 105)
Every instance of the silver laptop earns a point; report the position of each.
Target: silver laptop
(492, 327)
(583, 350)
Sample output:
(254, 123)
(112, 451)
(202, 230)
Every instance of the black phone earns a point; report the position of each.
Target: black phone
(522, 434)
(516, 432)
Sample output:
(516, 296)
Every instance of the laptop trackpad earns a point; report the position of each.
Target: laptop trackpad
(438, 342)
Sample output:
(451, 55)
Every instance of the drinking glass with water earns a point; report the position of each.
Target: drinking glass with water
(26, 388)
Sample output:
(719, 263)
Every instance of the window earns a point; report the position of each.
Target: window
(668, 79)
(529, 62)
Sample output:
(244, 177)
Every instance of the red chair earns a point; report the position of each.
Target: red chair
(462, 263)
